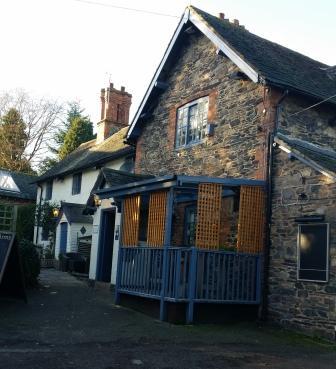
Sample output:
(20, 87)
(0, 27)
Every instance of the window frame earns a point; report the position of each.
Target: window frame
(76, 183)
(11, 226)
(179, 125)
(298, 259)
(49, 190)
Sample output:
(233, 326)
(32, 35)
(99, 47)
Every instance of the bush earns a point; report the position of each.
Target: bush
(25, 222)
(30, 262)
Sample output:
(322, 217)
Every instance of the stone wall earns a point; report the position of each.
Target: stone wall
(309, 306)
(317, 125)
(235, 106)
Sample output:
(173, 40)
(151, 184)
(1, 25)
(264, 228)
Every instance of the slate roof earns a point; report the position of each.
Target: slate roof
(89, 155)
(118, 177)
(28, 190)
(276, 64)
(113, 177)
(267, 62)
(74, 213)
(323, 157)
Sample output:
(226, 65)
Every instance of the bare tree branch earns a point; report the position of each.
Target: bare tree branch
(42, 116)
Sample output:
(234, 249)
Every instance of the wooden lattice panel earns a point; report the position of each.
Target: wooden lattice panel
(130, 224)
(157, 218)
(208, 215)
(251, 225)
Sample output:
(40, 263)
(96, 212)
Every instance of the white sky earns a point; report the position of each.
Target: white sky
(67, 49)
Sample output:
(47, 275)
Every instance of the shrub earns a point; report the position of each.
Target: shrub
(30, 262)
(25, 222)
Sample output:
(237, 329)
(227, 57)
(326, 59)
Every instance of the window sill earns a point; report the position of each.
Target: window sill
(190, 145)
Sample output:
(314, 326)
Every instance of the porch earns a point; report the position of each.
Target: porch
(191, 240)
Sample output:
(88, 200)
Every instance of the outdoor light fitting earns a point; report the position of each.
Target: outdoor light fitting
(55, 212)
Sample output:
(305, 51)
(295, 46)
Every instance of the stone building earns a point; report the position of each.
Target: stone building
(225, 103)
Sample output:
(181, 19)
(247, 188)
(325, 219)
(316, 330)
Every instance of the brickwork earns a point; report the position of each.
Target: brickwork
(115, 106)
(14, 201)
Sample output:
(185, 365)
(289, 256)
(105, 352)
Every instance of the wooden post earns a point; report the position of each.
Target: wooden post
(192, 285)
(167, 241)
(119, 261)
(258, 279)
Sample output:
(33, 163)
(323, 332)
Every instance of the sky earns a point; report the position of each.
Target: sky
(70, 49)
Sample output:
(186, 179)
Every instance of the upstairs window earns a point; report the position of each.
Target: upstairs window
(313, 252)
(76, 183)
(192, 120)
(49, 188)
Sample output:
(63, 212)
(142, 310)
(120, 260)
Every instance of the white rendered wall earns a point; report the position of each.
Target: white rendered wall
(115, 249)
(106, 204)
(62, 190)
(74, 230)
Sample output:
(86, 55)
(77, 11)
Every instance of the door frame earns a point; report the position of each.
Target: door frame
(99, 264)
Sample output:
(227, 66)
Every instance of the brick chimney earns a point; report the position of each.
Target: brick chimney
(115, 106)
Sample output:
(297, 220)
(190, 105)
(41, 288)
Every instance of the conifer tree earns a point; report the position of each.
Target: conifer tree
(13, 140)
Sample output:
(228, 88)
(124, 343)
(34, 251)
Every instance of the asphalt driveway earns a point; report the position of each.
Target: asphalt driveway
(66, 324)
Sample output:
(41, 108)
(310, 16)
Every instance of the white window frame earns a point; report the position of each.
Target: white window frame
(327, 253)
(185, 109)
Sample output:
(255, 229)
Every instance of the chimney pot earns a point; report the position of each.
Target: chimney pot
(111, 85)
(122, 89)
(236, 22)
(221, 16)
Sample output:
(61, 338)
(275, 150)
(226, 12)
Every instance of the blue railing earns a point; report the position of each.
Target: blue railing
(227, 277)
(189, 275)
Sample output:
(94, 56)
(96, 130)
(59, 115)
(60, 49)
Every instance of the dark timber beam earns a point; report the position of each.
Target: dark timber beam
(161, 85)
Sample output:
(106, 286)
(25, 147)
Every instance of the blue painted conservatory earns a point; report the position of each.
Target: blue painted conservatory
(191, 240)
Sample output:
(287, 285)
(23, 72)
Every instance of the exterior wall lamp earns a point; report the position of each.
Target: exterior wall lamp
(55, 212)
(97, 201)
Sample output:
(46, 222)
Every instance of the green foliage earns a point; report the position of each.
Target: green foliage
(77, 129)
(13, 140)
(45, 218)
(80, 131)
(30, 262)
(46, 164)
(25, 222)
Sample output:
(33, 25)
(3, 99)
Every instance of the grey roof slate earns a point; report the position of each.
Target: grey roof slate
(275, 63)
(28, 190)
(89, 155)
(74, 213)
(113, 177)
(323, 157)
(118, 177)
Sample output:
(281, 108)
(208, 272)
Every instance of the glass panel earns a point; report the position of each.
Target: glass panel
(191, 122)
(6, 217)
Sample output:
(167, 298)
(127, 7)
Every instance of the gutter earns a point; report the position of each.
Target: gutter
(268, 223)
(38, 220)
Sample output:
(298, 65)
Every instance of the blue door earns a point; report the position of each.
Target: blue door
(63, 238)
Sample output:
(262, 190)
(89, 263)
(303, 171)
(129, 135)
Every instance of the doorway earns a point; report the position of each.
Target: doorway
(63, 238)
(105, 247)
